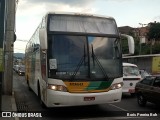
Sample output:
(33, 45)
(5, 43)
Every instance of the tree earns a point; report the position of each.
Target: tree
(125, 49)
(154, 35)
(156, 49)
(154, 31)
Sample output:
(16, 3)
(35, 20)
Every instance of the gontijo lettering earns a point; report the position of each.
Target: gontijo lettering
(76, 84)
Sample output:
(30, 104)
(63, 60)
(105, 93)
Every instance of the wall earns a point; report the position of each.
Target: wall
(142, 61)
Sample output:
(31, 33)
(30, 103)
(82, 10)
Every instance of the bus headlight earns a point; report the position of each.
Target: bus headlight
(57, 88)
(116, 86)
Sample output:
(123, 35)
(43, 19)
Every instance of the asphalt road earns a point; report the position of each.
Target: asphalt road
(128, 108)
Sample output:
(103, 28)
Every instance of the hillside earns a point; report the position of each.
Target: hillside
(19, 55)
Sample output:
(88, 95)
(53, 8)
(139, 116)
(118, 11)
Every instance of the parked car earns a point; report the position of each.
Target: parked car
(148, 90)
(16, 68)
(21, 70)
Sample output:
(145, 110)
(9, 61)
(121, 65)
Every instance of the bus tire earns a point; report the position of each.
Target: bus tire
(39, 96)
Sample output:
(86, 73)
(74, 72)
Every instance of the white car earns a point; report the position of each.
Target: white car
(16, 68)
(144, 73)
(131, 76)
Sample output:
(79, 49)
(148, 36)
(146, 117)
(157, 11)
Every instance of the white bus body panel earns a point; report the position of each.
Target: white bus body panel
(62, 99)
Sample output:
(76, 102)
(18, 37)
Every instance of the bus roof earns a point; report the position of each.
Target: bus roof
(78, 14)
(81, 24)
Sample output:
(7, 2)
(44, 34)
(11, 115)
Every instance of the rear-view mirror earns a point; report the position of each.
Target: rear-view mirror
(128, 46)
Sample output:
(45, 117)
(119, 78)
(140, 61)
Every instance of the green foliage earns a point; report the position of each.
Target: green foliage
(156, 49)
(125, 49)
(154, 31)
(136, 47)
(146, 48)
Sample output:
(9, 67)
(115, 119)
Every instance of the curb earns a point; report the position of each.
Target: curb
(13, 101)
(14, 106)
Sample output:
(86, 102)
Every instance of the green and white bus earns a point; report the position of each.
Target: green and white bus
(75, 59)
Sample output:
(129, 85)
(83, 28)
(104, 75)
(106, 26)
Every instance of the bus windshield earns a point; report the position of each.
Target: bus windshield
(82, 57)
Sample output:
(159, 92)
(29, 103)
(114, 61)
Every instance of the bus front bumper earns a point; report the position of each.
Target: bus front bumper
(62, 99)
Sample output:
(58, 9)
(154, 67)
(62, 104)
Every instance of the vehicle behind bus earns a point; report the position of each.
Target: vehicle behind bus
(131, 76)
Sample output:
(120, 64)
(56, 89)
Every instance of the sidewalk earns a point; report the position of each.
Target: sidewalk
(8, 105)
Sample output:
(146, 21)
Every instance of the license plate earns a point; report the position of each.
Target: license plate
(89, 98)
(131, 91)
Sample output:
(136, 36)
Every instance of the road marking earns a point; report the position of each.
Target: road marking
(110, 118)
(122, 118)
(119, 107)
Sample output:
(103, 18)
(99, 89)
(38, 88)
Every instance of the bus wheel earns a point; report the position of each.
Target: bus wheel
(39, 96)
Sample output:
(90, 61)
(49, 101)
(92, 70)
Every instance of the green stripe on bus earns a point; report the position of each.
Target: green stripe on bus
(99, 85)
(104, 85)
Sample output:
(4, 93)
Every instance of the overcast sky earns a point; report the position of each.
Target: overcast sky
(126, 13)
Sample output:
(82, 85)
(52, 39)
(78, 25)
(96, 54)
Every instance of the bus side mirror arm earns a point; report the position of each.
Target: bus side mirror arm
(130, 43)
(43, 38)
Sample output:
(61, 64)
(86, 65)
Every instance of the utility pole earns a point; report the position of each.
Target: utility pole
(140, 37)
(2, 33)
(9, 40)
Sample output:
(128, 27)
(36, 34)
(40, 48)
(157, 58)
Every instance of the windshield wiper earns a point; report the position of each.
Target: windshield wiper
(94, 57)
(79, 64)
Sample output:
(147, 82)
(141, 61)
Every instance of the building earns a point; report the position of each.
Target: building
(150, 63)
(142, 34)
(126, 30)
